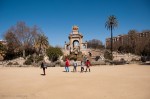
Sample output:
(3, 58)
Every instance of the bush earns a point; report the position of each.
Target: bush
(123, 60)
(66, 57)
(38, 58)
(16, 63)
(29, 61)
(143, 59)
(97, 58)
(98, 63)
(108, 55)
(73, 58)
(1, 57)
(10, 63)
(53, 53)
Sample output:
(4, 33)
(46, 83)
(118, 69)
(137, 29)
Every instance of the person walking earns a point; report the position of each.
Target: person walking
(88, 64)
(43, 66)
(67, 64)
(82, 66)
(75, 64)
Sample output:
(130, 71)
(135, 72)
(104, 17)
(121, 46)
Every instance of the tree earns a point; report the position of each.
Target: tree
(110, 24)
(2, 51)
(143, 44)
(53, 53)
(41, 43)
(132, 37)
(108, 55)
(94, 43)
(13, 45)
(146, 47)
(25, 35)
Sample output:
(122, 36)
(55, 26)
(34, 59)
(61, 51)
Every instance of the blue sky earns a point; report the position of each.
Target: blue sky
(56, 17)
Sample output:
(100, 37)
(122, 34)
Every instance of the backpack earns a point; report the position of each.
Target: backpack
(42, 65)
(74, 64)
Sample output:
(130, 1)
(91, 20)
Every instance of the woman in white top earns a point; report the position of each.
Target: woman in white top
(75, 64)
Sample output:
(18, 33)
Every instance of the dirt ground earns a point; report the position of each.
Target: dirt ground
(103, 82)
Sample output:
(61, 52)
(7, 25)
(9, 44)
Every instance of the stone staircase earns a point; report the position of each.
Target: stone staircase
(125, 56)
(97, 53)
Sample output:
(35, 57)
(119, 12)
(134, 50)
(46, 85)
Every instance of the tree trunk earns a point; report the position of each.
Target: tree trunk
(24, 54)
(111, 44)
(40, 49)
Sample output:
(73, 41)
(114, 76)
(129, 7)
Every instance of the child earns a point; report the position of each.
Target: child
(82, 66)
(67, 64)
(88, 65)
(75, 66)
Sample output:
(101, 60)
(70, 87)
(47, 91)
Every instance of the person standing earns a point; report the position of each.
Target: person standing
(75, 64)
(67, 64)
(88, 64)
(43, 66)
(82, 66)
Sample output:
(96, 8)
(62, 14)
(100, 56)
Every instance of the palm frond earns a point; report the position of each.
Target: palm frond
(111, 22)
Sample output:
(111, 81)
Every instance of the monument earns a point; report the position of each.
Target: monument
(75, 44)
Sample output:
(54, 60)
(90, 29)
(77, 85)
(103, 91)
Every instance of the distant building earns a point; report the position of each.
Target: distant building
(124, 39)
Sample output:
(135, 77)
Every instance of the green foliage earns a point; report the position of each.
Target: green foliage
(29, 51)
(53, 53)
(2, 47)
(10, 63)
(2, 51)
(108, 55)
(97, 58)
(29, 61)
(94, 43)
(39, 58)
(66, 57)
(146, 49)
(41, 43)
(16, 63)
(111, 23)
(73, 58)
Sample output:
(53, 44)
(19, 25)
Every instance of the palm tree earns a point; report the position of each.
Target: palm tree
(110, 24)
(41, 43)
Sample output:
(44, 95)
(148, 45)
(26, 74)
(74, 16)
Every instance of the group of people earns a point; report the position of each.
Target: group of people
(67, 65)
(75, 65)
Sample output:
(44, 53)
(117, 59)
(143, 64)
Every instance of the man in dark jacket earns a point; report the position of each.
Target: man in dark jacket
(43, 66)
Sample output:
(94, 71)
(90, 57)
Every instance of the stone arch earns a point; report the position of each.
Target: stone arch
(76, 43)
